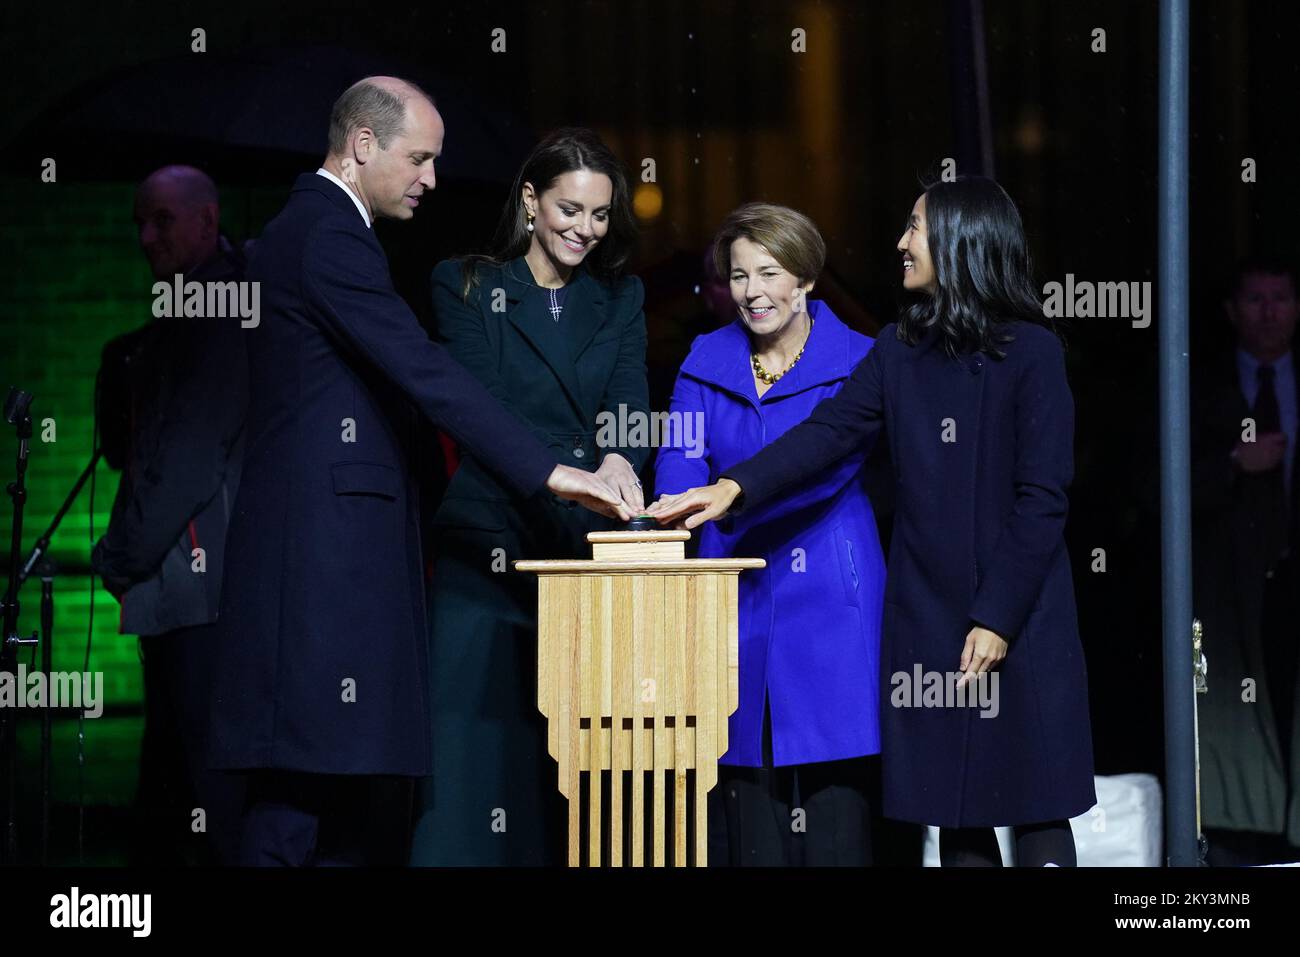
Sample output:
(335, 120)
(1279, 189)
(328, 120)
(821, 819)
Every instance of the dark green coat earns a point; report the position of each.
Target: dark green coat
(493, 796)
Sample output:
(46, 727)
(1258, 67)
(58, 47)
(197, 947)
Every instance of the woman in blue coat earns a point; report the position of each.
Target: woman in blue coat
(808, 719)
(983, 686)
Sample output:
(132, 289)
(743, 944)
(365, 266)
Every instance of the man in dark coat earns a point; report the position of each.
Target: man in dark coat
(172, 398)
(323, 680)
(1246, 575)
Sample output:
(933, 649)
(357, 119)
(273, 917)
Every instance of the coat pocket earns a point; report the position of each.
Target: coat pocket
(365, 478)
(850, 564)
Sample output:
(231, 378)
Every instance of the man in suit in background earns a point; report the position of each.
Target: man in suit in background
(323, 696)
(171, 399)
(1247, 574)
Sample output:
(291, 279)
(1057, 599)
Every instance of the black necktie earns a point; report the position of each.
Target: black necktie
(1267, 415)
(1268, 418)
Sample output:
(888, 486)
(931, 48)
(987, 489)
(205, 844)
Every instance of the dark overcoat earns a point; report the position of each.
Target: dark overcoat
(324, 654)
(1247, 783)
(493, 797)
(173, 396)
(982, 450)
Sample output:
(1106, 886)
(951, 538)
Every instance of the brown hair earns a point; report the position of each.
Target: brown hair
(366, 103)
(790, 236)
(562, 151)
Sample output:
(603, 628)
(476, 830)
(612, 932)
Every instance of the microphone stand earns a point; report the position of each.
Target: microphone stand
(40, 561)
(43, 543)
(18, 413)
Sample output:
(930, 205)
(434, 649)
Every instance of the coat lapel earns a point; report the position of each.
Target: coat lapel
(825, 356)
(723, 359)
(584, 312)
(527, 312)
(1232, 405)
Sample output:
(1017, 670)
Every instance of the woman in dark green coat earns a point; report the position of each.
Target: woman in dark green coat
(556, 331)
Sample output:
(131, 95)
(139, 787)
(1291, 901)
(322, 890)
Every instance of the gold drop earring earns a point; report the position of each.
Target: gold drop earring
(529, 227)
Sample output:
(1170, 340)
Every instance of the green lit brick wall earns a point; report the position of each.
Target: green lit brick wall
(71, 278)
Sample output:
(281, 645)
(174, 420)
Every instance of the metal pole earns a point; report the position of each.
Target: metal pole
(1175, 447)
(968, 76)
(47, 714)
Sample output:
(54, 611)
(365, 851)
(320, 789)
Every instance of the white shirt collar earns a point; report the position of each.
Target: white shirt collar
(347, 189)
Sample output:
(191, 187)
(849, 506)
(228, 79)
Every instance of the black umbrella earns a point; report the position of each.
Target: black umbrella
(254, 116)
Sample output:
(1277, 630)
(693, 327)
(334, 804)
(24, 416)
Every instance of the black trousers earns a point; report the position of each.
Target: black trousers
(175, 783)
(801, 815)
(294, 819)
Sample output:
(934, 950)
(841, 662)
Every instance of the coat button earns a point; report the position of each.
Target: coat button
(577, 449)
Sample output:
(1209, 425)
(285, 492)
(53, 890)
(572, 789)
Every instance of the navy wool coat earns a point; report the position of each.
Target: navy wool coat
(982, 451)
(323, 664)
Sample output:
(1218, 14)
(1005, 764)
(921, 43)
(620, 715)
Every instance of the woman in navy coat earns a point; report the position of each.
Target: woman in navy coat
(971, 390)
(809, 646)
(556, 332)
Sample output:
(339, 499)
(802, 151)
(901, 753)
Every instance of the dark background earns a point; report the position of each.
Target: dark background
(713, 93)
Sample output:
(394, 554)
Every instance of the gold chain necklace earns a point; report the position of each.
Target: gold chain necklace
(767, 377)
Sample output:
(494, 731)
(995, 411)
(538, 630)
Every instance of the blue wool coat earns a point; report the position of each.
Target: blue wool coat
(982, 451)
(810, 620)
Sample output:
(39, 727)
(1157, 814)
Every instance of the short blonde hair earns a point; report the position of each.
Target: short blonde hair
(790, 236)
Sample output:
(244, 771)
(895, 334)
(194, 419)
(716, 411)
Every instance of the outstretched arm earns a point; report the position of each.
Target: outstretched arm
(345, 276)
(845, 422)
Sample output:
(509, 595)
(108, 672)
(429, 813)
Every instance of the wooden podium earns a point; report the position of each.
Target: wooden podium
(637, 674)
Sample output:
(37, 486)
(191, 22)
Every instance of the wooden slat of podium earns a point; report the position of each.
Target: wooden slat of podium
(688, 704)
(621, 598)
(640, 632)
(659, 690)
(638, 672)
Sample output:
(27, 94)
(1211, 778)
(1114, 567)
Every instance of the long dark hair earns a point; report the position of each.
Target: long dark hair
(563, 151)
(982, 267)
